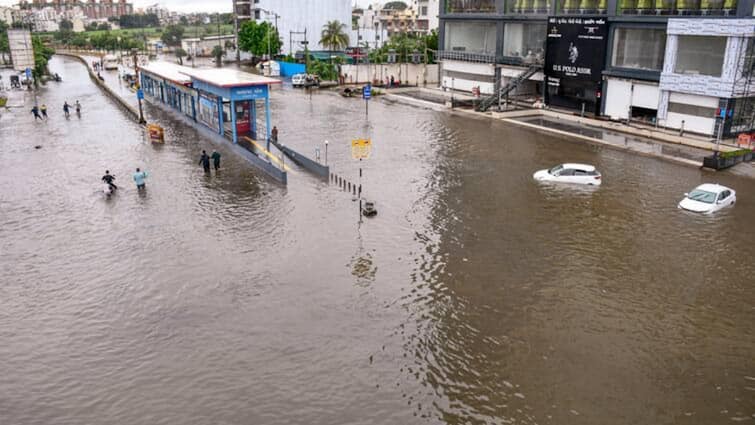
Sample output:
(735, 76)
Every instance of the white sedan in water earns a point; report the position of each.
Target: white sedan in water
(708, 198)
(570, 173)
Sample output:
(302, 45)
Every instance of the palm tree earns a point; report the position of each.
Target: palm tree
(334, 35)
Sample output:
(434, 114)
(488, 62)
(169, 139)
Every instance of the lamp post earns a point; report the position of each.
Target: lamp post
(134, 52)
(326, 153)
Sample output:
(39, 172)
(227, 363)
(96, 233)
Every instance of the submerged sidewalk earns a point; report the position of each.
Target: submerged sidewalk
(688, 149)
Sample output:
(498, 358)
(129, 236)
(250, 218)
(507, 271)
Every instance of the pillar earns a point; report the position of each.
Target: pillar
(233, 122)
(220, 115)
(267, 120)
(253, 118)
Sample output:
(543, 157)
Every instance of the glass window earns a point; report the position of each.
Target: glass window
(528, 6)
(525, 41)
(593, 7)
(637, 48)
(700, 55)
(470, 37)
(470, 6)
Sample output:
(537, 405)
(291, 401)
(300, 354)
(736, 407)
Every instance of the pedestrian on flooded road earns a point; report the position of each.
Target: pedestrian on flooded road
(204, 160)
(43, 110)
(35, 111)
(67, 109)
(216, 159)
(78, 108)
(139, 177)
(274, 134)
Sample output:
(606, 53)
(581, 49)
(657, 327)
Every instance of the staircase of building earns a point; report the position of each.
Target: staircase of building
(491, 100)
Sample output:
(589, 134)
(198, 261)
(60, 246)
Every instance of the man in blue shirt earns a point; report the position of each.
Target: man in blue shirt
(139, 177)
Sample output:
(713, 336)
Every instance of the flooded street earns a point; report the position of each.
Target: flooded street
(476, 296)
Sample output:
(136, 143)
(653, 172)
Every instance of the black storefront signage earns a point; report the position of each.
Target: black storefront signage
(576, 48)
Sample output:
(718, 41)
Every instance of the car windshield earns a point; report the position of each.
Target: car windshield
(702, 196)
(555, 169)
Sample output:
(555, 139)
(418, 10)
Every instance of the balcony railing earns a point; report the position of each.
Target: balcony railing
(592, 7)
(678, 7)
(466, 56)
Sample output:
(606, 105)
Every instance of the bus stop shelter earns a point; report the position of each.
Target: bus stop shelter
(220, 87)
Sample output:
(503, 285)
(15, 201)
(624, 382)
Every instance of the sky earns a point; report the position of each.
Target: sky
(185, 5)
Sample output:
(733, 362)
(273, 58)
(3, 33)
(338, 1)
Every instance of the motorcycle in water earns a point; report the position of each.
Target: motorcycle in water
(108, 190)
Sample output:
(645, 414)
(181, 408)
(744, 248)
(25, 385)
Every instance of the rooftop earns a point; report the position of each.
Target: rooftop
(226, 77)
(221, 77)
(171, 71)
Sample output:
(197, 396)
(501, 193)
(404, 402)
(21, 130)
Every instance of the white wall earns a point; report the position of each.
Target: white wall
(697, 124)
(298, 15)
(620, 94)
(416, 73)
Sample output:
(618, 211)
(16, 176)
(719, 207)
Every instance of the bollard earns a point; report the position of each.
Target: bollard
(360, 190)
(355, 190)
(349, 187)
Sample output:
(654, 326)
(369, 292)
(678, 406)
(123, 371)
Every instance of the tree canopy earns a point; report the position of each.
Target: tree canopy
(395, 5)
(65, 24)
(139, 21)
(334, 35)
(172, 35)
(253, 38)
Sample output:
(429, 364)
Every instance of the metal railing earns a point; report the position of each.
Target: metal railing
(489, 101)
(465, 56)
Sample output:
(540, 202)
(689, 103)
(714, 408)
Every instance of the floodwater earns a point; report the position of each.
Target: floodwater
(474, 297)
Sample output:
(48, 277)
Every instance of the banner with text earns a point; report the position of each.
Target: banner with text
(576, 48)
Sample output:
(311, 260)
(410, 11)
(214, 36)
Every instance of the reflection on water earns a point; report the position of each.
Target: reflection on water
(475, 296)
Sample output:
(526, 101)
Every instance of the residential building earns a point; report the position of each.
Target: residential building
(399, 21)
(427, 15)
(367, 27)
(92, 9)
(162, 13)
(300, 20)
(8, 14)
(615, 58)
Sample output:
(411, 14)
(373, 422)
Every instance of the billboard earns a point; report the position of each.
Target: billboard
(576, 48)
(21, 49)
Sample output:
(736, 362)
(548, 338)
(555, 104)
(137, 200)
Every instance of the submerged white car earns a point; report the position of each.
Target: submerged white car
(708, 198)
(570, 173)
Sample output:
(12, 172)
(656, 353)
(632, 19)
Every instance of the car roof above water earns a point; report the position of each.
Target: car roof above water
(575, 166)
(712, 187)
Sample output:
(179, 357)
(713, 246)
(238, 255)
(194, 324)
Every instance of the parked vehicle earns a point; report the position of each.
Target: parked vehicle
(305, 80)
(708, 198)
(110, 62)
(570, 173)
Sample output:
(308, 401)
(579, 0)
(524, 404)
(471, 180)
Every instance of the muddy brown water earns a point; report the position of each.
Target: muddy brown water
(474, 297)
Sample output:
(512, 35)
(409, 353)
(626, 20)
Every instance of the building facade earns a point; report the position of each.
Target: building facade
(617, 58)
(92, 9)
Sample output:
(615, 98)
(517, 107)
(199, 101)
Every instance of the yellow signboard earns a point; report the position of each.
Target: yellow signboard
(360, 148)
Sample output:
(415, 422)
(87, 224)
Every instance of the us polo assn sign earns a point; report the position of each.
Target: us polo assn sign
(576, 48)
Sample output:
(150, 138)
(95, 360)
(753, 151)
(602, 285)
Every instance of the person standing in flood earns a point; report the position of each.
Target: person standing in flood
(35, 111)
(204, 161)
(67, 109)
(215, 160)
(43, 110)
(274, 134)
(139, 177)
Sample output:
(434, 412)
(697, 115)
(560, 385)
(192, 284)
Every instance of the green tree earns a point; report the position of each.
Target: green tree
(172, 35)
(65, 24)
(254, 37)
(326, 71)
(217, 53)
(4, 46)
(181, 54)
(103, 26)
(42, 55)
(395, 5)
(334, 35)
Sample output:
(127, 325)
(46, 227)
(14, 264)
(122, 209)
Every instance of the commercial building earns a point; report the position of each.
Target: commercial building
(669, 62)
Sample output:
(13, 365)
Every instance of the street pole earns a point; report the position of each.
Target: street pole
(326, 153)
(359, 190)
(138, 85)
